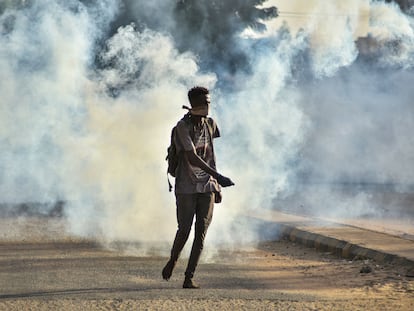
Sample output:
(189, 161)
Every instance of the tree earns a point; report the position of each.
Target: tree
(211, 29)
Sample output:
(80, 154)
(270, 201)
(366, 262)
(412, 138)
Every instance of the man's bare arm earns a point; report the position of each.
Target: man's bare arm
(195, 160)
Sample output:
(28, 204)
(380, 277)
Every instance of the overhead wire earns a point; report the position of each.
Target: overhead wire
(322, 14)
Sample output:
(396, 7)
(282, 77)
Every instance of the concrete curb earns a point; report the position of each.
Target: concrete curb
(339, 247)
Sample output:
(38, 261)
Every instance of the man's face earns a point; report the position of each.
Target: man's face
(201, 105)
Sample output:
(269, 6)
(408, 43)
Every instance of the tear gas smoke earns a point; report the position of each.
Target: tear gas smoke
(64, 138)
(88, 101)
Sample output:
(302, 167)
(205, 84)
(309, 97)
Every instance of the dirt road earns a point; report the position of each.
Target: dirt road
(80, 275)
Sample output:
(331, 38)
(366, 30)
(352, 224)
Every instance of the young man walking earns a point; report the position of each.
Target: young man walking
(197, 183)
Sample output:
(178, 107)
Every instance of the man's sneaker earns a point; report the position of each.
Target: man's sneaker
(188, 283)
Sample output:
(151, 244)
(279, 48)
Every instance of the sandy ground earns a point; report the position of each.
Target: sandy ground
(62, 273)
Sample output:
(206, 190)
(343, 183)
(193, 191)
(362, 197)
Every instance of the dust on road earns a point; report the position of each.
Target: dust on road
(65, 274)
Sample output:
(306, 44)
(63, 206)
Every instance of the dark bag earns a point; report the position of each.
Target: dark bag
(218, 197)
(173, 156)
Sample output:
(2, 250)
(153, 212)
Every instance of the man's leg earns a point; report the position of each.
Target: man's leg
(186, 207)
(204, 215)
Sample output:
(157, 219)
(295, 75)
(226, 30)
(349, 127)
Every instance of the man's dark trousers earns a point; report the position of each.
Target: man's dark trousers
(201, 205)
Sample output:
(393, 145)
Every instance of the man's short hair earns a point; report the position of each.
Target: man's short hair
(195, 92)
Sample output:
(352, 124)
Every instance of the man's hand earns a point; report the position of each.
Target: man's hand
(224, 181)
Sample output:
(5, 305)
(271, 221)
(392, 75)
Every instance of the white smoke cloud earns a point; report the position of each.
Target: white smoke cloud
(64, 138)
(343, 140)
(42, 64)
(97, 137)
(371, 107)
(263, 128)
(394, 32)
(332, 35)
(358, 148)
(128, 135)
